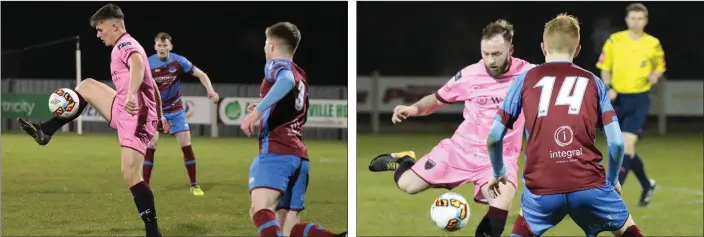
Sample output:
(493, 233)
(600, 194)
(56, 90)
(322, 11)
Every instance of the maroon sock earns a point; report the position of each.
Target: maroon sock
(520, 227)
(310, 230)
(148, 164)
(266, 223)
(190, 161)
(632, 231)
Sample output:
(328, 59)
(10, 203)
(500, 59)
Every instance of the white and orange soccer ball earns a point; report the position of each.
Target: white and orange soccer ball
(63, 103)
(450, 211)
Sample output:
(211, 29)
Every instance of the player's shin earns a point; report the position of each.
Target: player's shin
(148, 164)
(52, 125)
(189, 160)
(520, 228)
(495, 219)
(404, 164)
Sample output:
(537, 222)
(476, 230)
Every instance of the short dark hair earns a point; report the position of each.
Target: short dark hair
(286, 31)
(163, 36)
(499, 27)
(107, 12)
(637, 7)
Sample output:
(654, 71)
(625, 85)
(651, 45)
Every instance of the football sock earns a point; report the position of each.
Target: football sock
(310, 230)
(144, 199)
(148, 164)
(266, 223)
(625, 168)
(52, 125)
(190, 161)
(639, 171)
(403, 165)
(632, 231)
(520, 228)
(492, 223)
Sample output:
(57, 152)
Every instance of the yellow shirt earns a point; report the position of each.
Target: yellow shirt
(631, 61)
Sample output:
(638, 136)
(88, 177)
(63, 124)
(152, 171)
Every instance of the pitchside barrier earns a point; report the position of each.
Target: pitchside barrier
(378, 95)
(327, 113)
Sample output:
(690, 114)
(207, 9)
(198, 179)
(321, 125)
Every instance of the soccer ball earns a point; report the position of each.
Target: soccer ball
(450, 211)
(63, 103)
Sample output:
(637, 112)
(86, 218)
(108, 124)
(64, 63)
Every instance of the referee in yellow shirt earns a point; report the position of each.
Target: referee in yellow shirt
(630, 63)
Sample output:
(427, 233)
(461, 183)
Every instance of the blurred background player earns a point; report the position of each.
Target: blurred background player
(630, 63)
(461, 159)
(133, 109)
(563, 104)
(168, 69)
(278, 177)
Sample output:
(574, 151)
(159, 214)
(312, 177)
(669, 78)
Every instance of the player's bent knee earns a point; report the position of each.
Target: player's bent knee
(504, 200)
(624, 228)
(629, 142)
(411, 183)
(264, 198)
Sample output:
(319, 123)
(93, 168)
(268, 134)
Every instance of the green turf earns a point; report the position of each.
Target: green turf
(73, 186)
(674, 161)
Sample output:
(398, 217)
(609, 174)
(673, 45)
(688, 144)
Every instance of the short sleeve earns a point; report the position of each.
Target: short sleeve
(510, 109)
(456, 89)
(606, 58)
(606, 110)
(125, 50)
(187, 66)
(272, 69)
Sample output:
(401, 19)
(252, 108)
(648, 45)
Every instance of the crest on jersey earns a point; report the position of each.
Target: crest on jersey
(429, 164)
(563, 136)
(123, 44)
(458, 76)
(172, 69)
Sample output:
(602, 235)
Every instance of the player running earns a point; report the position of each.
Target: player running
(278, 177)
(167, 69)
(463, 158)
(632, 61)
(563, 104)
(133, 109)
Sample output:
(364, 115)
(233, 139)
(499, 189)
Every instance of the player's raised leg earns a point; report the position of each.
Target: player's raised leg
(182, 132)
(401, 163)
(149, 159)
(90, 91)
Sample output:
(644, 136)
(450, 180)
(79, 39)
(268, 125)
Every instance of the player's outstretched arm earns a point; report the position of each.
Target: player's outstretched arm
(204, 79)
(426, 106)
(284, 83)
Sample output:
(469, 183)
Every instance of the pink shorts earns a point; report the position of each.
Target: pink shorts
(133, 131)
(450, 165)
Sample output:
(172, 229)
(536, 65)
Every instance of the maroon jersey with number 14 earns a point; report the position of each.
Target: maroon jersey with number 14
(561, 104)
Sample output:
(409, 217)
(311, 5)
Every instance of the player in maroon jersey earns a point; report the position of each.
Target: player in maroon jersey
(563, 104)
(278, 177)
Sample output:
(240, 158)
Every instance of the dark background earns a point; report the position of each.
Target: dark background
(224, 39)
(430, 39)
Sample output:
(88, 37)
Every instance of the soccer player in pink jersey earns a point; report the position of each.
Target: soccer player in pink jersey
(463, 158)
(563, 105)
(133, 109)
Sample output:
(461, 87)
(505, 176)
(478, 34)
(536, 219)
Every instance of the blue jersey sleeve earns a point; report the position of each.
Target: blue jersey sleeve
(283, 84)
(614, 139)
(187, 66)
(513, 102)
(606, 110)
(274, 67)
(504, 119)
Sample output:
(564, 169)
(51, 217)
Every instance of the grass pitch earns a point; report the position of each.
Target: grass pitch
(73, 187)
(675, 161)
